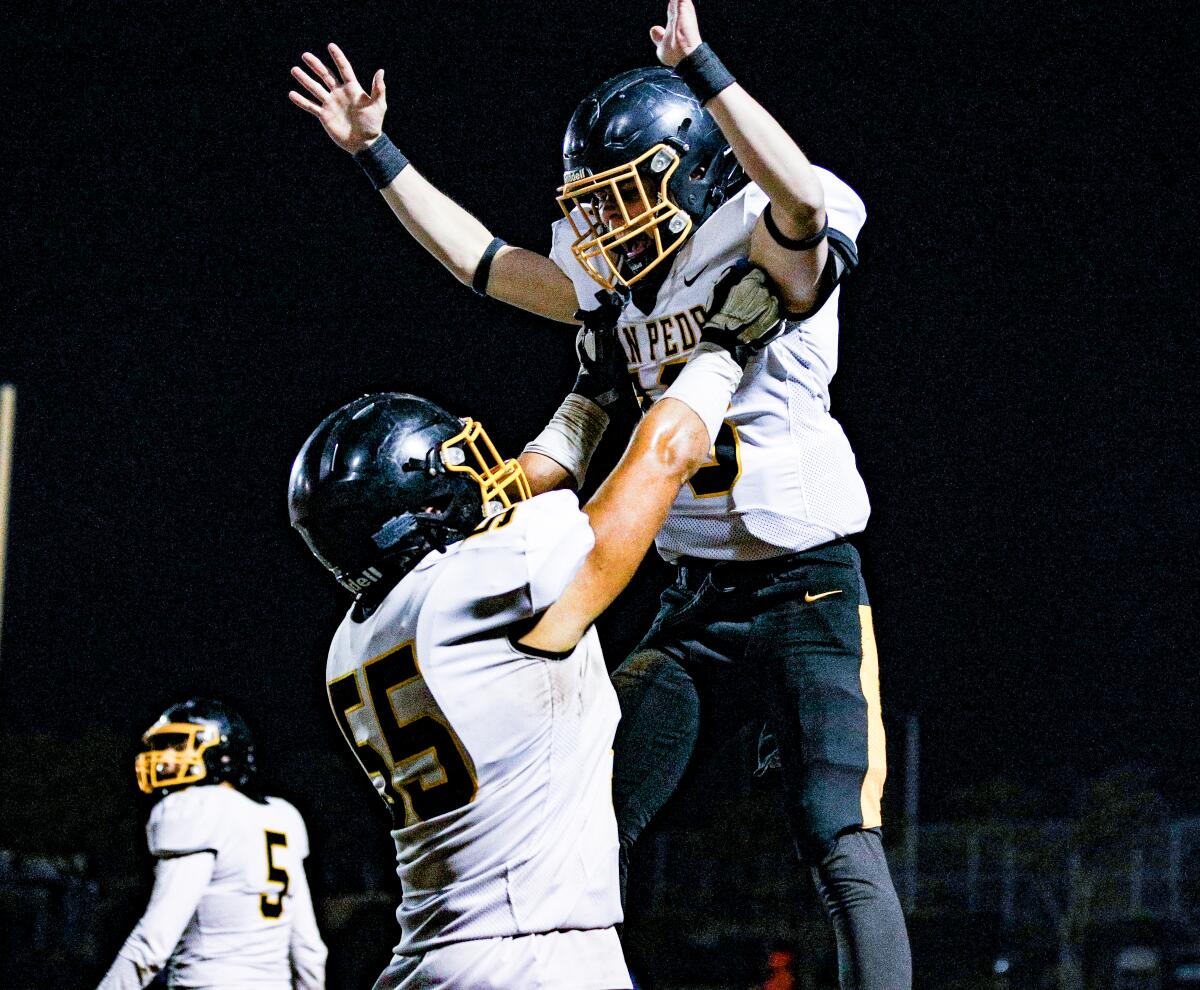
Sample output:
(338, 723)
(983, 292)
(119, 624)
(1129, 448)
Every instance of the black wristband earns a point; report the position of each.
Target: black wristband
(793, 243)
(483, 270)
(704, 73)
(382, 161)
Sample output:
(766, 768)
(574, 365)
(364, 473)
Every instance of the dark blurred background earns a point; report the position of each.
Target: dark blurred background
(196, 275)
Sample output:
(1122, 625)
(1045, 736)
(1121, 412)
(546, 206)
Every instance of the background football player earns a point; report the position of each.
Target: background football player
(230, 905)
(468, 678)
(668, 177)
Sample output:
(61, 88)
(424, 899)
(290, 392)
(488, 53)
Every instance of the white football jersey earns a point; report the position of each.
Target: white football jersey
(241, 864)
(782, 475)
(497, 762)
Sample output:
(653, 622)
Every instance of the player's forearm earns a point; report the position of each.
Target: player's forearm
(308, 954)
(447, 231)
(669, 445)
(772, 159)
(672, 442)
(625, 513)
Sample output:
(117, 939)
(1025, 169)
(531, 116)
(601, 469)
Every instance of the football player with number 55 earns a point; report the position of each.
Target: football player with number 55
(230, 906)
(468, 679)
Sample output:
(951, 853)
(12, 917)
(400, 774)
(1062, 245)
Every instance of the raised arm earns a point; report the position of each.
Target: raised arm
(667, 448)
(353, 119)
(794, 254)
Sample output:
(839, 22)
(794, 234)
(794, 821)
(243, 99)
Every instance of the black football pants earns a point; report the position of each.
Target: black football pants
(787, 642)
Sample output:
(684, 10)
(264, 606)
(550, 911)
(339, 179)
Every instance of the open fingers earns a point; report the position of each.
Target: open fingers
(342, 63)
(318, 67)
(672, 15)
(304, 104)
(309, 83)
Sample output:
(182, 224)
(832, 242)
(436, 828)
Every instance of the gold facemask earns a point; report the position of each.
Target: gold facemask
(501, 483)
(174, 755)
(595, 242)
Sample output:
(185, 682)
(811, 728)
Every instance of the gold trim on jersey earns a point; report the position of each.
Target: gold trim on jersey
(493, 523)
(423, 765)
(596, 240)
(722, 469)
(184, 756)
(871, 794)
(502, 483)
(380, 778)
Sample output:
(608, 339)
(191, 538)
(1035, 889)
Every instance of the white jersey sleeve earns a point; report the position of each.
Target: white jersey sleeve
(179, 884)
(514, 566)
(782, 475)
(298, 832)
(184, 822)
(306, 949)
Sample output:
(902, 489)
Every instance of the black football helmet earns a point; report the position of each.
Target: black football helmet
(388, 478)
(641, 138)
(198, 741)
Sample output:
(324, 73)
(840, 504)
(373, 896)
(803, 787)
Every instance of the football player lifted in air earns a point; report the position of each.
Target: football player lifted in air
(230, 905)
(671, 173)
(467, 676)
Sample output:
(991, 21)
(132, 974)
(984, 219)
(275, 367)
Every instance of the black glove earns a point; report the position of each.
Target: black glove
(743, 315)
(603, 373)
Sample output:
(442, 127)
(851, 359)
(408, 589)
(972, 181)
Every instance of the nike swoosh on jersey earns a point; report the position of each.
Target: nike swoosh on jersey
(808, 597)
(688, 281)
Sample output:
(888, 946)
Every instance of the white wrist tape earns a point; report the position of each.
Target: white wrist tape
(706, 384)
(572, 435)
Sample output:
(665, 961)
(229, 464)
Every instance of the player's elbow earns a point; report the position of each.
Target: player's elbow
(678, 445)
(801, 213)
(465, 273)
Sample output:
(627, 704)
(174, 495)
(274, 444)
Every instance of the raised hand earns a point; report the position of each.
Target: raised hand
(351, 116)
(680, 37)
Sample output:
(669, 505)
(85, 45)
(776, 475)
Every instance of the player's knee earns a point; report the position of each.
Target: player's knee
(653, 674)
(853, 869)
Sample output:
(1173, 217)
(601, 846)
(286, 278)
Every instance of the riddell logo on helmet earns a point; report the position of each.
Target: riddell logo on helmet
(575, 174)
(369, 577)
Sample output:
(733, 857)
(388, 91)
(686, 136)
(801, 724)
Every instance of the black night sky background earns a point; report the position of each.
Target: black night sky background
(197, 275)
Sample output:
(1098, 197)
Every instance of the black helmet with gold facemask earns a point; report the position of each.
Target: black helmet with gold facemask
(198, 741)
(644, 164)
(388, 478)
